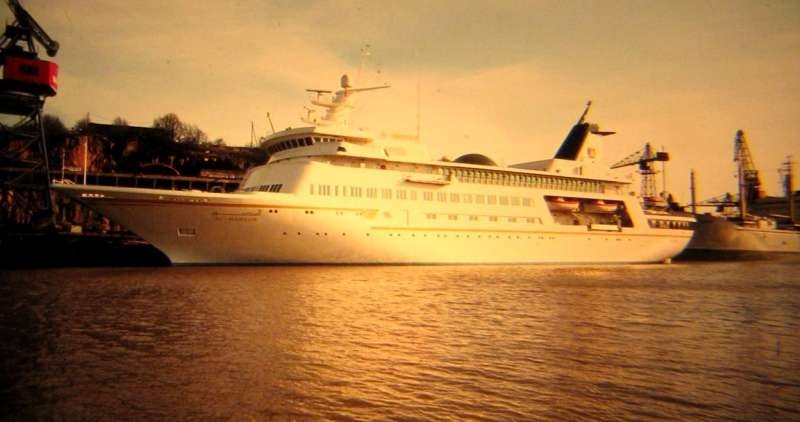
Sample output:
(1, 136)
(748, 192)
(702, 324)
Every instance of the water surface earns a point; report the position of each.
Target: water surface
(699, 340)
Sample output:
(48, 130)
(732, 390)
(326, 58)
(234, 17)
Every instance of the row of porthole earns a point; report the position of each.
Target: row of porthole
(458, 236)
(618, 239)
(318, 234)
(496, 237)
(468, 236)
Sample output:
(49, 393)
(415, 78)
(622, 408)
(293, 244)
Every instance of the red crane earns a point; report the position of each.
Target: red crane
(23, 72)
(27, 81)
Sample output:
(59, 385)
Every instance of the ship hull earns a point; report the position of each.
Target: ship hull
(210, 228)
(717, 238)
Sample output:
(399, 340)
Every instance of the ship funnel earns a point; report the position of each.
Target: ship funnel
(576, 138)
(346, 82)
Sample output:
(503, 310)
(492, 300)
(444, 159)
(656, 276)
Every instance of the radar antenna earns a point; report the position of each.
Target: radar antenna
(340, 104)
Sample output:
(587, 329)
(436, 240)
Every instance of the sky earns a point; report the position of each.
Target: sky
(504, 78)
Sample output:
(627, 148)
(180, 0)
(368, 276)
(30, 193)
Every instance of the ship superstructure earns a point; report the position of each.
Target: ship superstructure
(333, 194)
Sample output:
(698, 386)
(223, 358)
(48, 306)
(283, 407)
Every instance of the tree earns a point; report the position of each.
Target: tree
(170, 123)
(193, 135)
(81, 126)
(119, 121)
(54, 129)
(180, 131)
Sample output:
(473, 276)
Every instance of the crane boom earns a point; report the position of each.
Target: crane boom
(641, 157)
(644, 159)
(749, 180)
(26, 28)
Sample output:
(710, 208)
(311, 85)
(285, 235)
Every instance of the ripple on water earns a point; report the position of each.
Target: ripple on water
(473, 342)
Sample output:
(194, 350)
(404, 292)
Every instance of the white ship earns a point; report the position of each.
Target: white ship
(333, 194)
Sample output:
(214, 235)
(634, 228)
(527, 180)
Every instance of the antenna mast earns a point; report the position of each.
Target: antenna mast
(419, 112)
(271, 126)
(252, 134)
(364, 54)
(787, 174)
(693, 190)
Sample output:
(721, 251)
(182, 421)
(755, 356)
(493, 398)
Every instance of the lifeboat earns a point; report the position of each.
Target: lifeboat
(563, 204)
(600, 206)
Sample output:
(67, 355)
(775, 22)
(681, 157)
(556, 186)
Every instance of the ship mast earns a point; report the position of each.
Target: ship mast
(788, 185)
(693, 190)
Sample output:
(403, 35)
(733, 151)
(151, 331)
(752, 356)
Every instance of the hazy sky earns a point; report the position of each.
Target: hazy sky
(507, 79)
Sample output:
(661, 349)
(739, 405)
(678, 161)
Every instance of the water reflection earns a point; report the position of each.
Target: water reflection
(494, 342)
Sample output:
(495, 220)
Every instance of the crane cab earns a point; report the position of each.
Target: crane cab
(30, 75)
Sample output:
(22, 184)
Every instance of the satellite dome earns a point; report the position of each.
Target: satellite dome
(477, 159)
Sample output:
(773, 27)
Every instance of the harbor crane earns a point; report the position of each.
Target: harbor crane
(27, 81)
(749, 181)
(644, 158)
(23, 72)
